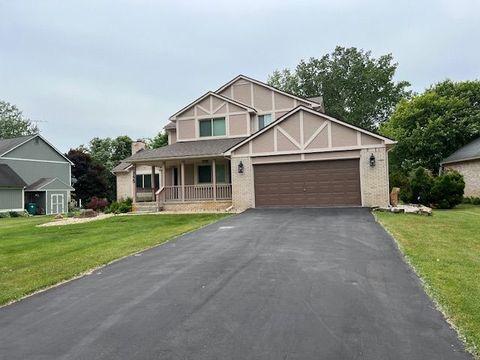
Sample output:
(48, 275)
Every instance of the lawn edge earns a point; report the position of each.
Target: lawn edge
(101, 266)
(470, 348)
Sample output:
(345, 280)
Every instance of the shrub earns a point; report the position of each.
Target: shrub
(421, 183)
(97, 204)
(122, 206)
(13, 214)
(471, 200)
(3, 215)
(447, 190)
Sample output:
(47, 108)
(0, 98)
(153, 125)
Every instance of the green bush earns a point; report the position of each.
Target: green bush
(447, 190)
(420, 185)
(122, 206)
(13, 214)
(3, 215)
(471, 200)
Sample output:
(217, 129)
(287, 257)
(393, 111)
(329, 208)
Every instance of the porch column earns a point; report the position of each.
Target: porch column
(182, 169)
(214, 180)
(153, 183)
(163, 179)
(134, 182)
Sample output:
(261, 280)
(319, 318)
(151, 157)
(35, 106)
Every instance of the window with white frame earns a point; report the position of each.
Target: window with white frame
(144, 181)
(212, 127)
(264, 120)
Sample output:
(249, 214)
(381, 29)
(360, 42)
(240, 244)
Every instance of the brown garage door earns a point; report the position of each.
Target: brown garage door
(308, 184)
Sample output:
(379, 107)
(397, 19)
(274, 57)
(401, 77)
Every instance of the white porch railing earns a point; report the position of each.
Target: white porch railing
(198, 192)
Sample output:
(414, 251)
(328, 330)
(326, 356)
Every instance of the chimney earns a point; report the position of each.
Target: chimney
(138, 146)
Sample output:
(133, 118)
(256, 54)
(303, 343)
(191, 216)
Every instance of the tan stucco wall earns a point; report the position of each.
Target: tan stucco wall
(186, 129)
(124, 185)
(374, 180)
(471, 174)
(242, 184)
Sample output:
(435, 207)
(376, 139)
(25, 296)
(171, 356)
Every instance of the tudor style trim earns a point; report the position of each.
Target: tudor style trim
(265, 85)
(211, 93)
(314, 112)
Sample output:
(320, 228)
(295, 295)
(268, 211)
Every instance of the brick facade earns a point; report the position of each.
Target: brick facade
(471, 174)
(243, 196)
(374, 179)
(199, 206)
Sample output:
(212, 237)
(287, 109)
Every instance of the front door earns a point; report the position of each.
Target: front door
(56, 203)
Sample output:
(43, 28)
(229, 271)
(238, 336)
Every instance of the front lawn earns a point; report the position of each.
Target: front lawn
(444, 249)
(32, 258)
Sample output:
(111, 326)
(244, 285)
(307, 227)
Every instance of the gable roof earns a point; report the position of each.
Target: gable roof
(470, 151)
(265, 85)
(221, 97)
(9, 178)
(8, 145)
(192, 149)
(315, 112)
(42, 182)
(122, 167)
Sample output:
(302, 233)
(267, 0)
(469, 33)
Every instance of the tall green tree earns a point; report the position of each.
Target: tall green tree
(110, 152)
(432, 125)
(356, 87)
(161, 139)
(90, 176)
(13, 123)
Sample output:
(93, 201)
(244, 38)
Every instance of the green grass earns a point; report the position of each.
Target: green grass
(32, 258)
(444, 249)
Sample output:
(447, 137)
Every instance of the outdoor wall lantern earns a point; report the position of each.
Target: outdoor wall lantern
(372, 160)
(240, 168)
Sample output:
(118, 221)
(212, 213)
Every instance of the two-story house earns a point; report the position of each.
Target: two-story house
(33, 171)
(248, 144)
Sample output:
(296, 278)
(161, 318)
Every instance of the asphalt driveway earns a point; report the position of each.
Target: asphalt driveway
(266, 284)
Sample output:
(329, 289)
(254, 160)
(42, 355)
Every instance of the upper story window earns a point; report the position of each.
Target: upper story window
(212, 127)
(264, 120)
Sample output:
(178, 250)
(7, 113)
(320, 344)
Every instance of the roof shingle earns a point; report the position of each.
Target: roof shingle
(468, 152)
(9, 144)
(186, 149)
(9, 178)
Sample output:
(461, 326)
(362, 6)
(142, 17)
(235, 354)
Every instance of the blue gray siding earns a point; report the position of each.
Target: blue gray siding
(11, 199)
(49, 194)
(36, 149)
(31, 171)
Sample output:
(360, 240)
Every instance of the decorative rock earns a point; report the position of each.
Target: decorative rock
(394, 196)
(88, 213)
(58, 217)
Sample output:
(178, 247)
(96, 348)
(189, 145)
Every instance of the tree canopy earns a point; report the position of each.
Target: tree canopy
(432, 125)
(355, 86)
(108, 151)
(161, 139)
(91, 177)
(13, 123)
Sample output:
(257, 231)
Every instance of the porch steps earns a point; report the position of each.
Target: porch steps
(144, 207)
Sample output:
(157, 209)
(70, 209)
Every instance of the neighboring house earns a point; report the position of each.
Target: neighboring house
(251, 145)
(145, 188)
(33, 171)
(466, 161)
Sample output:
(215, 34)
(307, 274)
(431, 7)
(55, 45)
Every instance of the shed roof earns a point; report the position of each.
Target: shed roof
(468, 152)
(186, 149)
(41, 183)
(9, 178)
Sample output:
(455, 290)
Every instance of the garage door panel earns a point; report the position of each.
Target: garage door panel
(317, 183)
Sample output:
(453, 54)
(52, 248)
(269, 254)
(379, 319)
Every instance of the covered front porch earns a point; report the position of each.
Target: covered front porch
(186, 181)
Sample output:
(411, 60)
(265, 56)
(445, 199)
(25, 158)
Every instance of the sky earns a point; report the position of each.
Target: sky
(103, 68)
